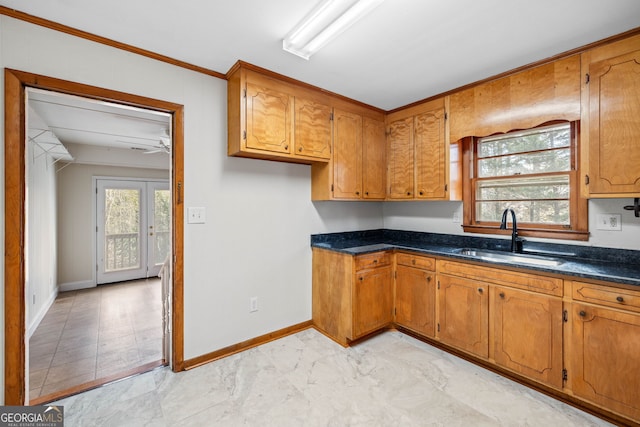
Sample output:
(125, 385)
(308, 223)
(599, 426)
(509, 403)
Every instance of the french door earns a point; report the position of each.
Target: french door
(133, 227)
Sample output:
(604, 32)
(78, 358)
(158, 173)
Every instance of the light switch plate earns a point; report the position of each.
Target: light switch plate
(610, 222)
(196, 215)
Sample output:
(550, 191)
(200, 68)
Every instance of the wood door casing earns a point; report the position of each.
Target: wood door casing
(374, 159)
(401, 159)
(463, 314)
(347, 155)
(312, 137)
(605, 361)
(415, 300)
(527, 334)
(269, 119)
(372, 300)
(430, 155)
(614, 128)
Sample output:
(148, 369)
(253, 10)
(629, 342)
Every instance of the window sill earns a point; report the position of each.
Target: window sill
(530, 232)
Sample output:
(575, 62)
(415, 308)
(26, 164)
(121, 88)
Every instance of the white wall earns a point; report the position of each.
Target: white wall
(40, 272)
(75, 222)
(437, 217)
(259, 214)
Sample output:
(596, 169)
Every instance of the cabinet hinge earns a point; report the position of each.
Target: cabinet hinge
(446, 115)
(395, 311)
(438, 284)
(564, 375)
(565, 316)
(586, 179)
(244, 94)
(587, 78)
(244, 134)
(438, 327)
(332, 188)
(395, 274)
(331, 116)
(446, 186)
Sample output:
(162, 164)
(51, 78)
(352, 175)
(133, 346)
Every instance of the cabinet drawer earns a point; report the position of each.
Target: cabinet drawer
(375, 259)
(514, 279)
(612, 297)
(416, 261)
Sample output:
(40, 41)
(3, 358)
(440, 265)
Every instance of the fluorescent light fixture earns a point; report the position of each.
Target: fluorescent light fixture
(325, 22)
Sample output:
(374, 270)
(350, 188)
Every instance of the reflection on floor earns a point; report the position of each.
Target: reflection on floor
(307, 380)
(95, 333)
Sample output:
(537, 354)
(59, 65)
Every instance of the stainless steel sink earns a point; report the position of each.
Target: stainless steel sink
(511, 258)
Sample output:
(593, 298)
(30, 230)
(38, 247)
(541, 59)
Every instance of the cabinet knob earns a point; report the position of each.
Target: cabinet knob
(582, 313)
(361, 278)
(300, 149)
(357, 193)
(375, 261)
(286, 147)
(428, 278)
(408, 193)
(480, 290)
(366, 193)
(413, 261)
(501, 295)
(620, 299)
(421, 192)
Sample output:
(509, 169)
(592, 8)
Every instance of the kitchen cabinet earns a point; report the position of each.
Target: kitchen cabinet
(605, 352)
(610, 126)
(418, 152)
(357, 170)
(352, 296)
(415, 293)
(463, 314)
(527, 333)
(269, 118)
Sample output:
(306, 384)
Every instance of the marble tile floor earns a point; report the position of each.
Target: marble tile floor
(306, 379)
(95, 333)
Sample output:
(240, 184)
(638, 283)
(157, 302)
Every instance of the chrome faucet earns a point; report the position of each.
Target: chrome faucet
(516, 242)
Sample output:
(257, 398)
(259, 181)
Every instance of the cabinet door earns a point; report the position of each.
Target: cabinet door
(527, 331)
(614, 127)
(372, 300)
(463, 314)
(269, 119)
(605, 365)
(347, 155)
(374, 159)
(430, 155)
(401, 159)
(312, 129)
(415, 300)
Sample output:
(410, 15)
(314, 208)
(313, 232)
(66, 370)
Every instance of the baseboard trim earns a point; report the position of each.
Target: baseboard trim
(74, 286)
(245, 345)
(43, 311)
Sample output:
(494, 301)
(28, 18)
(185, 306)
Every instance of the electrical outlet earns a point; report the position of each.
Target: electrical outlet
(253, 304)
(609, 222)
(456, 217)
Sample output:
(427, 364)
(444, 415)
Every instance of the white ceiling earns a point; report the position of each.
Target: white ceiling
(403, 51)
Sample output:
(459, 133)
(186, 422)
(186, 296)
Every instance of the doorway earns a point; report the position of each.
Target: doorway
(16, 84)
(133, 229)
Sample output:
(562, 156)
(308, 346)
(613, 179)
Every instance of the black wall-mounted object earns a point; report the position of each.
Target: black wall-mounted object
(635, 207)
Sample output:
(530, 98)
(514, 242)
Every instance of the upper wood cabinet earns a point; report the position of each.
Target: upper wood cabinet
(312, 123)
(520, 101)
(357, 170)
(610, 120)
(276, 120)
(418, 153)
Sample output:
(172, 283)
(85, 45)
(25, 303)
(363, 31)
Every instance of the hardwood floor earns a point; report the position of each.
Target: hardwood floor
(95, 333)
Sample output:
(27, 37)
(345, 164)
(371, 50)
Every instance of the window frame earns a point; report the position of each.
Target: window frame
(578, 227)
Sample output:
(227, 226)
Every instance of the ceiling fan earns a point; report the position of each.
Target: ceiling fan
(163, 147)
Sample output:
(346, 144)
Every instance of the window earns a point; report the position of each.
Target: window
(534, 172)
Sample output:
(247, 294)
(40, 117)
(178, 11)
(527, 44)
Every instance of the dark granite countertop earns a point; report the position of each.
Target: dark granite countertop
(587, 262)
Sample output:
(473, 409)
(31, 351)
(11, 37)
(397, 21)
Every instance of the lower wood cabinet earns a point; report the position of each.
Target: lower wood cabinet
(352, 296)
(527, 333)
(415, 294)
(463, 319)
